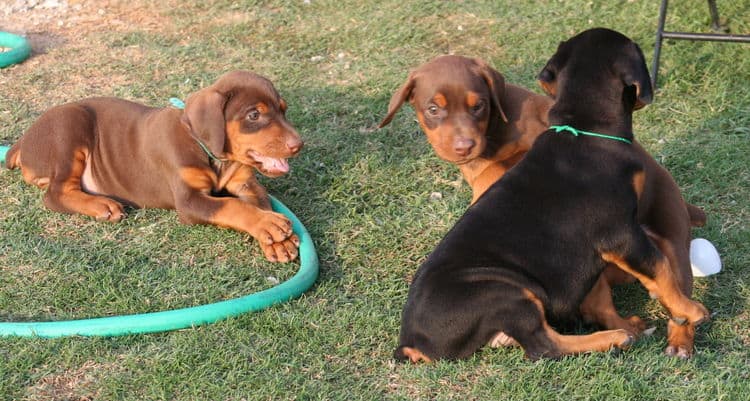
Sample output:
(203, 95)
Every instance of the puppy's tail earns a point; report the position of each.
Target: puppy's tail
(13, 157)
(697, 215)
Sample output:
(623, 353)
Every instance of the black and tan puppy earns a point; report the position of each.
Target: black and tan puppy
(94, 155)
(533, 245)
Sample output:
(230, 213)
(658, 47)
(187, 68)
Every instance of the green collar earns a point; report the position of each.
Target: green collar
(576, 132)
(211, 156)
(181, 105)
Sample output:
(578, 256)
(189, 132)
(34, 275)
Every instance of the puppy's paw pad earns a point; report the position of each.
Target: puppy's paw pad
(678, 352)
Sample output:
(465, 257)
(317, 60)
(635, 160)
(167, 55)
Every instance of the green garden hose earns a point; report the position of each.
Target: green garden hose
(19, 51)
(186, 317)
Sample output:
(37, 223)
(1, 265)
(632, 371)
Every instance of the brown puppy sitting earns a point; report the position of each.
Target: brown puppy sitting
(486, 141)
(485, 125)
(94, 155)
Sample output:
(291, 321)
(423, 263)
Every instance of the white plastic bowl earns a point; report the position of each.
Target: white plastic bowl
(704, 259)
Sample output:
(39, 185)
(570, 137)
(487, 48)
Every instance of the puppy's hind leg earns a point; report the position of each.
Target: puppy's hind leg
(541, 340)
(65, 194)
(598, 307)
(652, 269)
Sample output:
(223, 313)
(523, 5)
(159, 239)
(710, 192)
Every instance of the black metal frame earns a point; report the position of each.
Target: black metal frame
(661, 34)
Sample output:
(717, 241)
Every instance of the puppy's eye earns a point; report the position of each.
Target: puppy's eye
(253, 115)
(432, 110)
(478, 107)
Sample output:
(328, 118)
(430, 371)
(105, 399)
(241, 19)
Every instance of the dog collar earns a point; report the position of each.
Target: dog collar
(178, 103)
(576, 132)
(211, 156)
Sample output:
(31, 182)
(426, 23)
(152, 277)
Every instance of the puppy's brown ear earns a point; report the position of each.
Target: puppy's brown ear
(496, 83)
(397, 100)
(204, 115)
(636, 74)
(547, 78)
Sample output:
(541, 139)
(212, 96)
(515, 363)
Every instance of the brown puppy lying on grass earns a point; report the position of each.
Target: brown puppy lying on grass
(476, 120)
(94, 155)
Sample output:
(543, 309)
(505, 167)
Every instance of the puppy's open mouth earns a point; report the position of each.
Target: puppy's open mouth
(270, 165)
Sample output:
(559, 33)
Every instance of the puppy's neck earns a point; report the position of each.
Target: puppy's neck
(481, 172)
(601, 112)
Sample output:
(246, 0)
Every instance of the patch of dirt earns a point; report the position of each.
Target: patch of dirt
(69, 52)
(71, 385)
(52, 23)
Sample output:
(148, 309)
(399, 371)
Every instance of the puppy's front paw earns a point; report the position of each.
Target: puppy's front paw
(680, 340)
(624, 339)
(271, 227)
(695, 314)
(284, 251)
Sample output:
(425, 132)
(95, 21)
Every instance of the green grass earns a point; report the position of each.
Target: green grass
(364, 195)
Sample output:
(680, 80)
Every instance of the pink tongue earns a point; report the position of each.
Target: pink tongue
(273, 165)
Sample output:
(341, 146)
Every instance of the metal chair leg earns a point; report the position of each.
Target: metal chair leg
(659, 39)
(715, 26)
(661, 34)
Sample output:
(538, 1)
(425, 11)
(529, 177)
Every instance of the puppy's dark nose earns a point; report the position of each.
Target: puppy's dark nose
(294, 146)
(463, 146)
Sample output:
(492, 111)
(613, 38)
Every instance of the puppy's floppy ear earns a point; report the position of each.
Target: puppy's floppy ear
(204, 115)
(635, 73)
(547, 78)
(496, 83)
(397, 100)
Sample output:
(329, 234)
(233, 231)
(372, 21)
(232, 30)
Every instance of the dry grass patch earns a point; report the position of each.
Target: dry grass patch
(71, 385)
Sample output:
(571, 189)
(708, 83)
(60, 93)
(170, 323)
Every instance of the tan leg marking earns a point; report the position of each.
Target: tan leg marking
(575, 344)
(32, 178)
(201, 179)
(664, 285)
(415, 355)
(598, 308)
(680, 338)
(68, 196)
